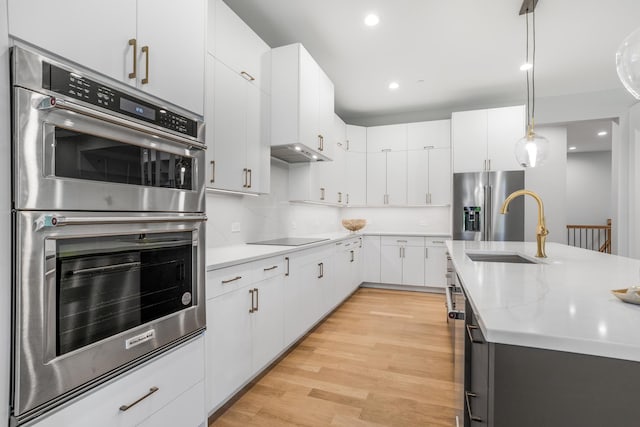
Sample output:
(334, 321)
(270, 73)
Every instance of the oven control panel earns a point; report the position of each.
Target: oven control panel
(79, 87)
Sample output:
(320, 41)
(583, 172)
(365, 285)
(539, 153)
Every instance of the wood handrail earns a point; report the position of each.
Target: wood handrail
(576, 230)
(590, 227)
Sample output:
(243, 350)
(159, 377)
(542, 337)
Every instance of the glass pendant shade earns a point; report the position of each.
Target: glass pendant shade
(532, 150)
(628, 63)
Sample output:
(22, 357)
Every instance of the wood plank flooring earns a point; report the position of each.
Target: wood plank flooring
(382, 359)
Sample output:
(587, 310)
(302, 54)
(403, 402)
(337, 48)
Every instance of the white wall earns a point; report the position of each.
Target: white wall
(633, 158)
(267, 216)
(589, 197)
(550, 182)
(435, 219)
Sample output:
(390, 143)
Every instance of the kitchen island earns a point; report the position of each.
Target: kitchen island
(553, 345)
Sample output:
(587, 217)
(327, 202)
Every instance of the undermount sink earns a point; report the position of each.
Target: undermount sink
(506, 257)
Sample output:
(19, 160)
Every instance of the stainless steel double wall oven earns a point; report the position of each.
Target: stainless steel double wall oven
(108, 199)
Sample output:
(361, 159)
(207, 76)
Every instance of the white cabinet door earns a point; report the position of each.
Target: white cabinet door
(98, 37)
(439, 176)
(229, 129)
(303, 298)
(267, 321)
(356, 177)
(309, 100)
(505, 127)
(469, 140)
(342, 273)
(175, 38)
(435, 266)
(209, 118)
(389, 137)
(258, 143)
(356, 138)
(397, 178)
(413, 265)
(418, 177)
(432, 134)
(372, 257)
(357, 267)
(99, 407)
(376, 178)
(391, 264)
(239, 47)
(326, 115)
(229, 349)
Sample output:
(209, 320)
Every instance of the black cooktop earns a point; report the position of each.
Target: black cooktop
(289, 241)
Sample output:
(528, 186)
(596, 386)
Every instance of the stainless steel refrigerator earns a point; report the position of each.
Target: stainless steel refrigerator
(477, 199)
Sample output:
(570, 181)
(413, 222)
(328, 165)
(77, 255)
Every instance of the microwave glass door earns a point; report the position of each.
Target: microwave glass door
(108, 285)
(83, 156)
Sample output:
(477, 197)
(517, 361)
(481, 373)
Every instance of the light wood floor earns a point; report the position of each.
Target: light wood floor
(382, 359)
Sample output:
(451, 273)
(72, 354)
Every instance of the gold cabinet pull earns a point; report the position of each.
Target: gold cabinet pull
(250, 177)
(213, 171)
(321, 193)
(287, 261)
(251, 310)
(247, 76)
(224, 282)
(131, 405)
(145, 50)
(270, 268)
(134, 43)
(256, 291)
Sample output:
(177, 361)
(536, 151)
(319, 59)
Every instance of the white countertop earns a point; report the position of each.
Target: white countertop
(226, 256)
(562, 304)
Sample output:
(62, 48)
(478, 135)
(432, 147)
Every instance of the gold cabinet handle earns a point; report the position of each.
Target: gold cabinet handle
(134, 43)
(257, 292)
(245, 177)
(287, 261)
(224, 282)
(247, 76)
(339, 197)
(213, 171)
(145, 50)
(352, 256)
(471, 328)
(131, 405)
(467, 395)
(271, 268)
(322, 194)
(250, 177)
(251, 310)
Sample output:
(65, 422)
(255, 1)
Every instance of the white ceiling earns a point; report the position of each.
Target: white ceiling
(467, 52)
(584, 135)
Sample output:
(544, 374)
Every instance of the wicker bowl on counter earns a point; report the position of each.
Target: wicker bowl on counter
(354, 225)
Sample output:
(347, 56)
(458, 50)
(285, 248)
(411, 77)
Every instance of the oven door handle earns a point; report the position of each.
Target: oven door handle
(46, 221)
(63, 104)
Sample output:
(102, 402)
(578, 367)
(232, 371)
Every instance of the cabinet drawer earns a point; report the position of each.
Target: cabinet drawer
(436, 241)
(187, 410)
(229, 279)
(402, 241)
(268, 268)
(173, 374)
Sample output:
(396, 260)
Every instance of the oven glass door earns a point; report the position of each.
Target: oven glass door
(81, 155)
(107, 285)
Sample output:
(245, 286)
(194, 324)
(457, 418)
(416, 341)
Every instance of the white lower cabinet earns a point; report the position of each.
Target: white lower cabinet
(372, 257)
(178, 376)
(244, 325)
(435, 266)
(402, 260)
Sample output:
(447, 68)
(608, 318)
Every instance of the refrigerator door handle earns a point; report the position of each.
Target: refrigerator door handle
(485, 204)
(488, 208)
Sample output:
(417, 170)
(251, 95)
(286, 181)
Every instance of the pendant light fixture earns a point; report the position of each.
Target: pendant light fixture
(532, 149)
(628, 63)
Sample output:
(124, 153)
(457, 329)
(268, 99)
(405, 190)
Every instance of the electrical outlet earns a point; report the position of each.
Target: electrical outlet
(235, 227)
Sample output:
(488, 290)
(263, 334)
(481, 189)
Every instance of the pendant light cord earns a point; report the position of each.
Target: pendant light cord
(527, 73)
(533, 70)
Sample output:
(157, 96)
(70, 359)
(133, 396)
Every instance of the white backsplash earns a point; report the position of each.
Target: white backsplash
(272, 216)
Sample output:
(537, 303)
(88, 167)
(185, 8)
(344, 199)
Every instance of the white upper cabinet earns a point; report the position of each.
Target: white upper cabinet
(485, 139)
(240, 48)
(425, 135)
(429, 163)
(101, 46)
(302, 100)
(357, 138)
(390, 137)
(107, 36)
(356, 165)
(175, 57)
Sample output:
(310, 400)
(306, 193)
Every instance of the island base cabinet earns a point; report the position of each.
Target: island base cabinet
(509, 385)
(178, 376)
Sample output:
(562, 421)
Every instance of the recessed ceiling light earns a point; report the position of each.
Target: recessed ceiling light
(572, 148)
(297, 147)
(371, 20)
(314, 157)
(526, 66)
(394, 85)
(602, 133)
